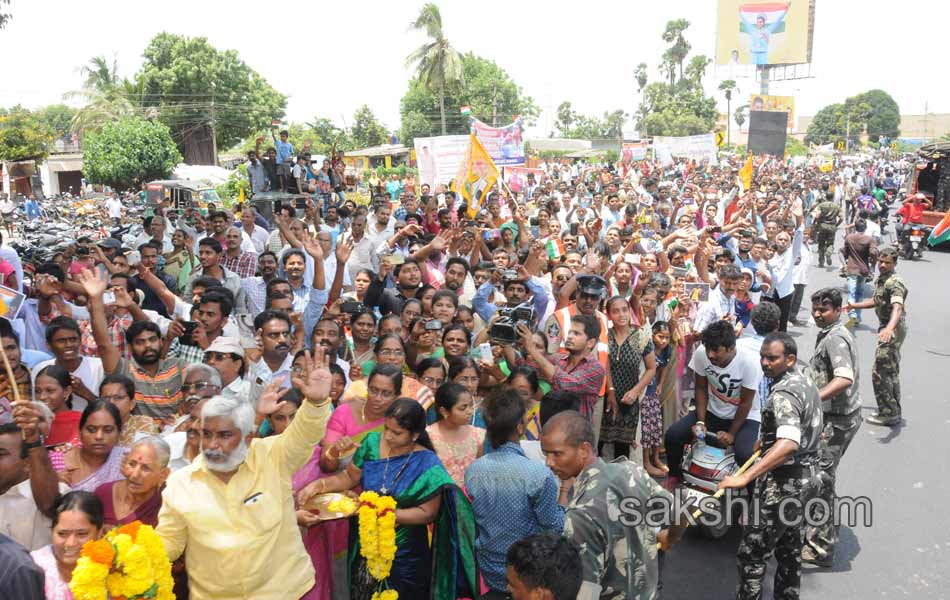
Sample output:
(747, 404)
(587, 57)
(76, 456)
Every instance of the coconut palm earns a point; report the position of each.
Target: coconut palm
(438, 64)
(107, 96)
(727, 87)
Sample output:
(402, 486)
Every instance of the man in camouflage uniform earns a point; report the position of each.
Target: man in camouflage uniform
(791, 427)
(890, 296)
(827, 216)
(618, 560)
(834, 367)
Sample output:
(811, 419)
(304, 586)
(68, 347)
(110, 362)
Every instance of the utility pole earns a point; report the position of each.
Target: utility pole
(214, 136)
(764, 80)
(847, 132)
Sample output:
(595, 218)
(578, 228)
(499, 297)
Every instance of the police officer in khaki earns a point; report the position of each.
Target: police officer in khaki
(834, 367)
(791, 427)
(888, 302)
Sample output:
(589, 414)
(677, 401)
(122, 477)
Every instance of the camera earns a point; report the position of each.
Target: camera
(433, 325)
(503, 331)
(352, 307)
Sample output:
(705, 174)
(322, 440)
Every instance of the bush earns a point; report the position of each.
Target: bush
(129, 152)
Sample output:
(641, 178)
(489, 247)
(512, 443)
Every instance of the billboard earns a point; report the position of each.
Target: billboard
(438, 158)
(505, 145)
(784, 104)
(763, 32)
(767, 133)
(693, 147)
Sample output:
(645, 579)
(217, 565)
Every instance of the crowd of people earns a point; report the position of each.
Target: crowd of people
(507, 374)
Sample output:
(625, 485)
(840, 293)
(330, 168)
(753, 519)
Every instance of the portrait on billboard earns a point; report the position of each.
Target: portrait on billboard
(762, 32)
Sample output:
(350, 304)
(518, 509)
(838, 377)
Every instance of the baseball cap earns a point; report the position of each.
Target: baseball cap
(226, 345)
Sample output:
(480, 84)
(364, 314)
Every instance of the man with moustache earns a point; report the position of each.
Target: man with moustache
(157, 380)
(228, 512)
(274, 334)
(256, 287)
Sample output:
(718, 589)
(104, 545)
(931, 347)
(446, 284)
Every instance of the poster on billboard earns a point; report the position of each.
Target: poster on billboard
(785, 104)
(693, 147)
(438, 158)
(762, 32)
(505, 145)
(631, 151)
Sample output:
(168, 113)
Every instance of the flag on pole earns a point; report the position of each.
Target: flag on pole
(555, 249)
(241, 194)
(940, 233)
(466, 111)
(476, 176)
(745, 174)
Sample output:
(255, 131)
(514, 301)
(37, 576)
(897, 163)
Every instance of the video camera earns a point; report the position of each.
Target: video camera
(503, 330)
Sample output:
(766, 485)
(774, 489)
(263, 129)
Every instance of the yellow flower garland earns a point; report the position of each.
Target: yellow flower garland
(130, 562)
(377, 530)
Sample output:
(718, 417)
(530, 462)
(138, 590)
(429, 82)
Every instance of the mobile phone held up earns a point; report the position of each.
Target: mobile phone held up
(187, 338)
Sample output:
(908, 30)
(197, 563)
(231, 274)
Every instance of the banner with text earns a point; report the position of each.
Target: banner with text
(505, 145)
(438, 158)
(693, 147)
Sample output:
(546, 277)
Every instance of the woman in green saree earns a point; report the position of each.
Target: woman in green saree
(400, 462)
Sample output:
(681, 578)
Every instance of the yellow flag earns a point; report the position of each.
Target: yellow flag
(241, 194)
(476, 176)
(745, 174)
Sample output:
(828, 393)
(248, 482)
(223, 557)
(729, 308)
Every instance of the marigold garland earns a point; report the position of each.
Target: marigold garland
(377, 530)
(130, 562)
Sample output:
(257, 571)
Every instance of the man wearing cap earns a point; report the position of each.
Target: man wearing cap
(226, 356)
(590, 291)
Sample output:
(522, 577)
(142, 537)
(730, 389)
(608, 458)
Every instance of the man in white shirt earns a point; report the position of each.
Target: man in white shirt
(63, 338)
(783, 270)
(381, 226)
(114, 206)
(721, 304)
(257, 234)
(727, 382)
(364, 254)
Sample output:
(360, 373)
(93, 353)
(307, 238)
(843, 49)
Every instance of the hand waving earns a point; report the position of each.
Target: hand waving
(344, 248)
(93, 282)
(270, 400)
(314, 382)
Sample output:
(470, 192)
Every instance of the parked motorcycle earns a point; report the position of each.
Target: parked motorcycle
(705, 464)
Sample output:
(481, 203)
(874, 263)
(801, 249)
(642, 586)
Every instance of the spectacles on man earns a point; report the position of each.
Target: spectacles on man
(197, 387)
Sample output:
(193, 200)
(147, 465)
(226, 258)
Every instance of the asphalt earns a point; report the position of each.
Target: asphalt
(902, 470)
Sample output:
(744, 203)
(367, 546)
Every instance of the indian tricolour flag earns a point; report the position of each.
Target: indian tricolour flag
(555, 249)
(940, 233)
(772, 11)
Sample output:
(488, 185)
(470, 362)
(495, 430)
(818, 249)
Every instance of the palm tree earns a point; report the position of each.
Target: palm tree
(640, 74)
(673, 34)
(438, 64)
(108, 97)
(727, 86)
(739, 116)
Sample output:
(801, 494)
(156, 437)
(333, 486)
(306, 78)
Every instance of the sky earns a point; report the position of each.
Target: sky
(583, 52)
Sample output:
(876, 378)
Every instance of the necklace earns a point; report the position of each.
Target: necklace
(383, 490)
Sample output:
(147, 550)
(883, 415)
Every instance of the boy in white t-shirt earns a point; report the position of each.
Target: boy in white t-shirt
(727, 381)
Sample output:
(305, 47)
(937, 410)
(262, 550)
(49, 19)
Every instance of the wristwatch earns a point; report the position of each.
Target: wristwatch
(39, 443)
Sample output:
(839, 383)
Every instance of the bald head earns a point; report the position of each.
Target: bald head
(575, 427)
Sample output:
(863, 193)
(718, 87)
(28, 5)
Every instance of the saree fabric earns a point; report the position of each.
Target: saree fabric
(442, 570)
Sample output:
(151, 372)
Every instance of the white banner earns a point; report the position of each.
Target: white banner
(438, 158)
(693, 147)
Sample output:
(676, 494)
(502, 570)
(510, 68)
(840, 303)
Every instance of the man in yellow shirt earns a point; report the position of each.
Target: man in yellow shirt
(231, 512)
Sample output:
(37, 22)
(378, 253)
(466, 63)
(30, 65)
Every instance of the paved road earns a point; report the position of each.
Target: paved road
(902, 470)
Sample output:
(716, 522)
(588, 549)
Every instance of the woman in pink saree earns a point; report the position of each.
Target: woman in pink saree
(327, 541)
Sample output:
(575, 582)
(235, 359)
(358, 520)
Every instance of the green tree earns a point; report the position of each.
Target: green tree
(884, 118)
(106, 96)
(129, 152)
(4, 17)
(367, 130)
(795, 148)
(827, 126)
(198, 89)
(873, 112)
(328, 133)
(299, 135)
(438, 64)
(486, 88)
(673, 34)
(565, 118)
(739, 115)
(680, 107)
(57, 117)
(640, 74)
(23, 136)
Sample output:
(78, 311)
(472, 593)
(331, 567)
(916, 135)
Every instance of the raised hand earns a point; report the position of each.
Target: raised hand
(314, 383)
(122, 297)
(344, 248)
(270, 400)
(312, 246)
(93, 282)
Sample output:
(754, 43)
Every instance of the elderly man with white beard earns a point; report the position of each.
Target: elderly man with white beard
(231, 512)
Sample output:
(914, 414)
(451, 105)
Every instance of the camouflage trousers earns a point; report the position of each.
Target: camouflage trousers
(836, 436)
(768, 532)
(825, 236)
(885, 374)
